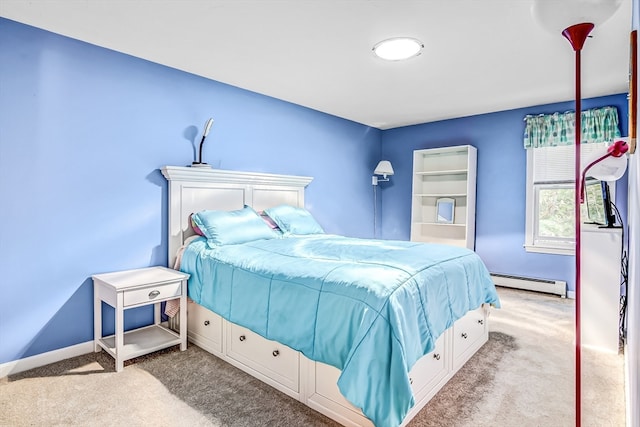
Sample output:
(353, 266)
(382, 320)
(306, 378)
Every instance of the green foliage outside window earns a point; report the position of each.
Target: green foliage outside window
(556, 211)
(555, 214)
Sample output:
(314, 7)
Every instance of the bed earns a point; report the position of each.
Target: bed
(384, 323)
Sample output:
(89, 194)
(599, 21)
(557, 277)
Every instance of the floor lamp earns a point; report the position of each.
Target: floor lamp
(575, 19)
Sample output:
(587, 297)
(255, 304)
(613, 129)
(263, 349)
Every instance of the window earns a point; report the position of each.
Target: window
(548, 139)
(550, 224)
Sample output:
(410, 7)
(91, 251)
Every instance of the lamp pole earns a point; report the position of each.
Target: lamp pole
(562, 16)
(577, 35)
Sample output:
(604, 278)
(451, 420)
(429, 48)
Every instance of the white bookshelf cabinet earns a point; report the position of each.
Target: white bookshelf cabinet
(448, 172)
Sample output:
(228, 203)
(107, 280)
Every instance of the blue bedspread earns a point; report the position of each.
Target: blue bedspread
(371, 308)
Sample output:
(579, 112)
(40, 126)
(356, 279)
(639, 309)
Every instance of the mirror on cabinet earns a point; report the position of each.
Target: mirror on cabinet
(445, 208)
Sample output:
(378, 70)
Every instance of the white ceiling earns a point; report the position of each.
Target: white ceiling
(480, 55)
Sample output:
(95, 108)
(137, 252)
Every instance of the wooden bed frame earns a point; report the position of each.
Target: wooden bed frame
(312, 383)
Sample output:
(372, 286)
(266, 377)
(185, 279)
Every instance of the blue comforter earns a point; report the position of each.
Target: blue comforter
(371, 308)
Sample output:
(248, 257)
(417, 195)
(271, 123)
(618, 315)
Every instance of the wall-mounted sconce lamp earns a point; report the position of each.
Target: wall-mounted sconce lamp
(385, 169)
(199, 163)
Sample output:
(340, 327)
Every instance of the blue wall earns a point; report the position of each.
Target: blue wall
(501, 184)
(83, 133)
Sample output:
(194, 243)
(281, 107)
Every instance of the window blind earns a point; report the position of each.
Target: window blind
(555, 165)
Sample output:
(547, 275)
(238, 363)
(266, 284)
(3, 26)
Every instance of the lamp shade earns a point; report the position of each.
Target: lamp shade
(610, 169)
(558, 15)
(384, 168)
(608, 165)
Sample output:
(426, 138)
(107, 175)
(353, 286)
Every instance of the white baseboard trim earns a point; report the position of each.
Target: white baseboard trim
(42, 359)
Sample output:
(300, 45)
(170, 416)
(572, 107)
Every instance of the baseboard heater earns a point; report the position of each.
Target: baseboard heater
(556, 287)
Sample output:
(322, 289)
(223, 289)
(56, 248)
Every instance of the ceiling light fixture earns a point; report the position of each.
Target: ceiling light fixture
(398, 48)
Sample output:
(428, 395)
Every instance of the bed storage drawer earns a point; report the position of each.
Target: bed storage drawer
(271, 359)
(324, 396)
(430, 368)
(469, 333)
(204, 328)
(324, 393)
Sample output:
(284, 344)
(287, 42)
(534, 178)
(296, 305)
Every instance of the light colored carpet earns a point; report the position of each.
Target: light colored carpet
(533, 383)
(522, 377)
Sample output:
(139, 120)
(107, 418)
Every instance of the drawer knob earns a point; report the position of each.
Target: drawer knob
(206, 323)
(464, 335)
(153, 294)
(276, 353)
(436, 356)
(242, 338)
(481, 322)
(410, 380)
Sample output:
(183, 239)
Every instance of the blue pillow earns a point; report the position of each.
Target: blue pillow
(232, 227)
(293, 220)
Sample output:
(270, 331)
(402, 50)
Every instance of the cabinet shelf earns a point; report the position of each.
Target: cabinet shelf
(447, 172)
(440, 224)
(443, 172)
(441, 195)
(141, 341)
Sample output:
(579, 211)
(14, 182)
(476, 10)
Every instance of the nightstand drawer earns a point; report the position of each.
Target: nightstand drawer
(151, 294)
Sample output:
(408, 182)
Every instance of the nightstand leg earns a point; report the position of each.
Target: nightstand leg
(97, 318)
(183, 317)
(119, 332)
(156, 314)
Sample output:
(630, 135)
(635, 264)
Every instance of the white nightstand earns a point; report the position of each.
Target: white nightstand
(136, 288)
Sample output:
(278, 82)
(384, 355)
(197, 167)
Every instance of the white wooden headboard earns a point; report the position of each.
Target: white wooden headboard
(195, 189)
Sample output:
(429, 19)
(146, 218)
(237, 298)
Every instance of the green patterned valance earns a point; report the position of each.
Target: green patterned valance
(549, 130)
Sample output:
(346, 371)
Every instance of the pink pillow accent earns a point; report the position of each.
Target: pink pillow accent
(195, 228)
(270, 222)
